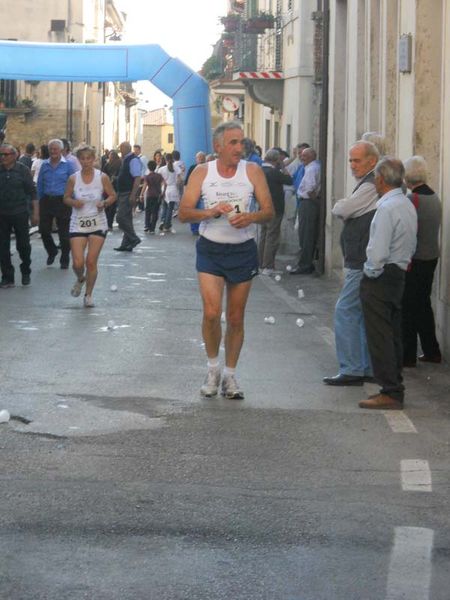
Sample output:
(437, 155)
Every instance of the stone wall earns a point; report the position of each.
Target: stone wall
(39, 126)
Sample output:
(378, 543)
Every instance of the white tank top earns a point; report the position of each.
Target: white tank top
(88, 218)
(237, 191)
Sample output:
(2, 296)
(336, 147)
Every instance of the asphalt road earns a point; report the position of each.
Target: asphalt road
(119, 482)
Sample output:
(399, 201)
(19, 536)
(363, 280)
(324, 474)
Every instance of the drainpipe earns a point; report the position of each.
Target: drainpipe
(323, 6)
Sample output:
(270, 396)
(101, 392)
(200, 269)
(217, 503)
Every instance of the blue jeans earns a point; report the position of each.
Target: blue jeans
(350, 333)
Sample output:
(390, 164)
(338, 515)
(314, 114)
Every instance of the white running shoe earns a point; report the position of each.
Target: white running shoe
(231, 389)
(211, 385)
(88, 302)
(77, 287)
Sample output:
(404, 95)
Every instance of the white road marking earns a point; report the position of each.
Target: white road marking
(410, 566)
(416, 475)
(399, 422)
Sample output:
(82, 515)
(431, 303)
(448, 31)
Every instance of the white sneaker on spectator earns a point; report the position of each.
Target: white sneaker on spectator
(267, 272)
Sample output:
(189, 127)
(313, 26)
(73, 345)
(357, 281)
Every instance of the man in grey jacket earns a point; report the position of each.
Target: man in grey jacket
(357, 211)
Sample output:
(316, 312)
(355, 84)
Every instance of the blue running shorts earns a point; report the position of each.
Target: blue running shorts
(236, 263)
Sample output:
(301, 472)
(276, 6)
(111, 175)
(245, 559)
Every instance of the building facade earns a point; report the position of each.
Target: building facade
(95, 113)
(389, 72)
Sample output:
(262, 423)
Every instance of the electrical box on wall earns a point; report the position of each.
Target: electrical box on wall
(405, 53)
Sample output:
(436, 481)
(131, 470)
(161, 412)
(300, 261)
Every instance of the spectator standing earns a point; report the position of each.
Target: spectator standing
(51, 183)
(128, 182)
(27, 157)
(172, 177)
(417, 312)
(308, 212)
(249, 151)
(112, 169)
(16, 188)
(392, 243)
(269, 239)
(153, 190)
(67, 153)
(200, 158)
(42, 155)
(357, 212)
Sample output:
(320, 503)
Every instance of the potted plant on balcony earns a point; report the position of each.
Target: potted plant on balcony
(228, 40)
(230, 22)
(27, 103)
(259, 23)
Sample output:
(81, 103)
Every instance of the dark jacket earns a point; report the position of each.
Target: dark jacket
(125, 179)
(355, 234)
(275, 180)
(16, 189)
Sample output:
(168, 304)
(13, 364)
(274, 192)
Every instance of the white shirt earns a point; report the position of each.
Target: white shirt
(310, 184)
(237, 191)
(393, 234)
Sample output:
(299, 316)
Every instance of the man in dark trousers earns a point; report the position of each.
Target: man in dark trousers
(128, 183)
(51, 185)
(16, 189)
(269, 233)
(392, 243)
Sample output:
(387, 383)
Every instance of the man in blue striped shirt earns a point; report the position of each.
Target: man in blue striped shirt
(51, 184)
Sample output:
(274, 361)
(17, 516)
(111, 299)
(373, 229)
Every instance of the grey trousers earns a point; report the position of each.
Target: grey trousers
(124, 217)
(308, 222)
(269, 240)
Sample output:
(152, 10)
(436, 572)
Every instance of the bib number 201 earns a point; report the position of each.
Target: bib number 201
(89, 224)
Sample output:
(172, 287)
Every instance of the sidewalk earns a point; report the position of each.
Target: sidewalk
(427, 386)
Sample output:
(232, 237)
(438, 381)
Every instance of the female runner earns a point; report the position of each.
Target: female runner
(88, 225)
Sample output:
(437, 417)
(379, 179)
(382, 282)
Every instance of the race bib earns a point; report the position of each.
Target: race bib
(238, 207)
(89, 224)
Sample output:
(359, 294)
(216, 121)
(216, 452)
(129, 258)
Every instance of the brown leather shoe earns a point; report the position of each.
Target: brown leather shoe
(436, 358)
(381, 402)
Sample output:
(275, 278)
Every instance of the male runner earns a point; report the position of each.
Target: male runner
(226, 248)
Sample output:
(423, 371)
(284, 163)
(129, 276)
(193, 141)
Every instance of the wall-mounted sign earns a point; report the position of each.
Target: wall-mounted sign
(405, 53)
(231, 103)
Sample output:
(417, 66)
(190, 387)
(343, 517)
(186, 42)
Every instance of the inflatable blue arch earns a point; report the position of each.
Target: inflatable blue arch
(98, 62)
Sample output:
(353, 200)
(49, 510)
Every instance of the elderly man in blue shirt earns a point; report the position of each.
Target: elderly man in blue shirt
(392, 243)
(51, 184)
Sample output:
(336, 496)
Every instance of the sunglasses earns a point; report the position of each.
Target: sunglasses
(6, 153)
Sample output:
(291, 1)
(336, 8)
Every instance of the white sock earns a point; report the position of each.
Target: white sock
(213, 363)
(228, 371)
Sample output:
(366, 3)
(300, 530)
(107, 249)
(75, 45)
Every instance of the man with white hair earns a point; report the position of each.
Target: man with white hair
(356, 211)
(417, 312)
(392, 243)
(51, 184)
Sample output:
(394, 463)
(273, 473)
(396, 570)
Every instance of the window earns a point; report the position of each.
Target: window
(288, 138)
(267, 140)
(57, 25)
(170, 138)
